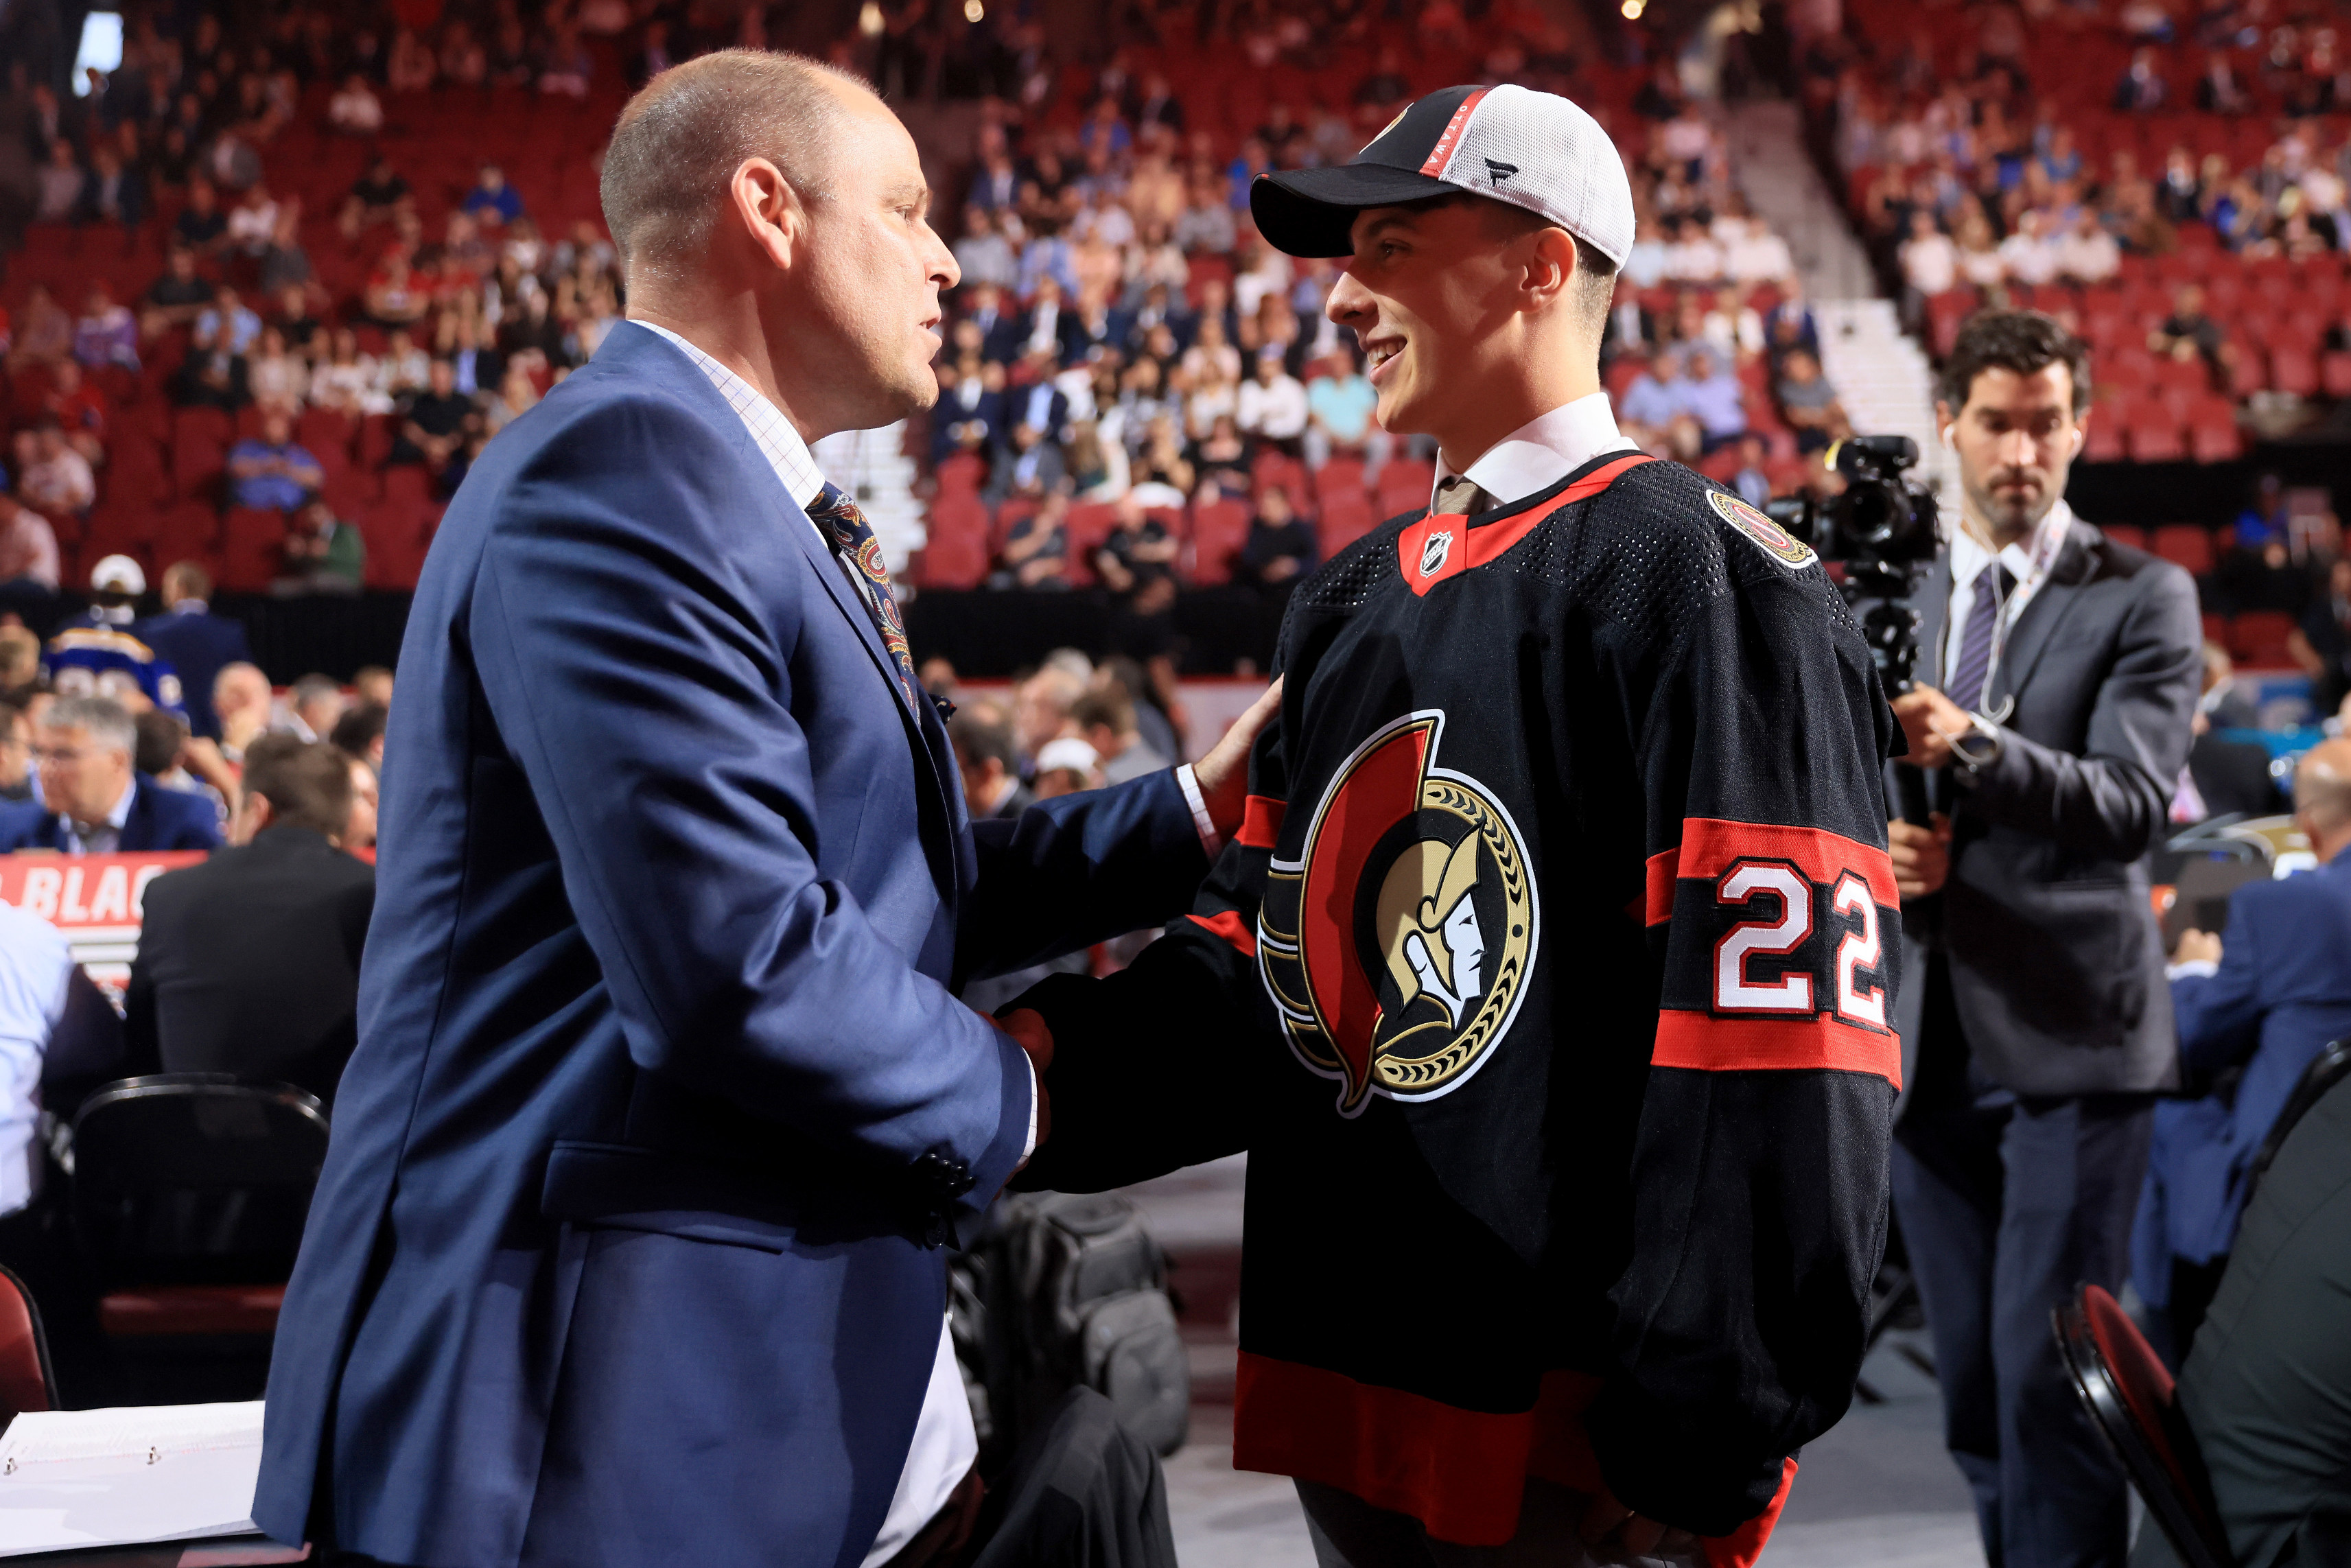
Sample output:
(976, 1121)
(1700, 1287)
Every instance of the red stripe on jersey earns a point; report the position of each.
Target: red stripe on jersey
(1452, 137)
(1464, 547)
(1260, 822)
(1748, 1044)
(1710, 845)
(1230, 927)
(1461, 1473)
(1662, 872)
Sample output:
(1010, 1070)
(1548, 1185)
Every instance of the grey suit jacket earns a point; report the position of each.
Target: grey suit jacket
(2056, 962)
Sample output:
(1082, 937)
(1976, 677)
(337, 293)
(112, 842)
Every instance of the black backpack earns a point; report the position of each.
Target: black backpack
(1068, 1289)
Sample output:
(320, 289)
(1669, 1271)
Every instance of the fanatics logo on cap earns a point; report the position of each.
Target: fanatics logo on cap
(1774, 540)
(1508, 143)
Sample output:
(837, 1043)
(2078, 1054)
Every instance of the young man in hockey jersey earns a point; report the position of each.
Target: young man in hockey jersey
(1548, 981)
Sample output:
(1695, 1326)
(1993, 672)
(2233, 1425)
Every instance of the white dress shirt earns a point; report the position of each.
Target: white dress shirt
(1544, 451)
(946, 1444)
(43, 996)
(2028, 562)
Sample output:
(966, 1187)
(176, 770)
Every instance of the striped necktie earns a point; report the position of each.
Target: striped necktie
(853, 536)
(1966, 687)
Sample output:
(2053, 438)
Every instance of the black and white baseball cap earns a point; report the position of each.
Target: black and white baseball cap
(1533, 150)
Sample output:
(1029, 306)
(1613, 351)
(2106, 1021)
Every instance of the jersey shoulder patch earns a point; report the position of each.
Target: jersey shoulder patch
(1761, 531)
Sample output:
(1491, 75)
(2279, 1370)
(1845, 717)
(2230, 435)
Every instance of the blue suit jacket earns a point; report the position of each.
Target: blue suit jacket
(2282, 992)
(620, 1255)
(198, 647)
(159, 819)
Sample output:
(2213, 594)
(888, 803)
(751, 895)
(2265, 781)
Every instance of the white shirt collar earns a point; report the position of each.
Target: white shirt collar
(786, 453)
(1544, 451)
(121, 814)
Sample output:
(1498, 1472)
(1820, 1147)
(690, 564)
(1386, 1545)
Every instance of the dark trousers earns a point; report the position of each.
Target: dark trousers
(2007, 1203)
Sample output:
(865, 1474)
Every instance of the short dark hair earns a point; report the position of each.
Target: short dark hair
(358, 729)
(308, 783)
(2024, 342)
(977, 740)
(1111, 710)
(161, 735)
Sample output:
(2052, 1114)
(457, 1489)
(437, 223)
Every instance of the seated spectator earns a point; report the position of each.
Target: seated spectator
(314, 706)
(371, 683)
(984, 255)
(93, 801)
(112, 191)
(277, 378)
(1282, 546)
(228, 321)
(1065, 767)
(517, 395)
(1753, 485)
(1708, 392)
(2086, 253)
(1930, 264)
(201, 226)
(403, 369)
(345, 379)
(380, 196)
(393, 297)
(80, 410)
(1096, 467)
(1105, 721)
(249, 964)
(2187, 333)
(359, 835)
(272, 472)
(28, 552)
(439, 423)
(107, 333)
(1037, 547)
(1339, 408)
(55, 478)
(252, 223)
(164, 755)
(988, 758)
(2030, 255)
(284, 263)
(568, 64)
(242, 701)
(1809, 403)
(43, 335)
(177, 299)
(2141, 87)
(355, 110)
(492, 203)
(199, 644)
(1137, 561)
(359, 734)
(57, 184)
(212, 375)
(1646, 408)
(1271, 407)
(1034, 468)
(323, 554)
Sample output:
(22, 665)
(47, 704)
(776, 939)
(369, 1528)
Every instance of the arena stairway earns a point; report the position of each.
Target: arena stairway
(1881, 374)
(872, 466)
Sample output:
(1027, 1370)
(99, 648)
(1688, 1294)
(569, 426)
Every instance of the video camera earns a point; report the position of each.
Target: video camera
(1883, 528)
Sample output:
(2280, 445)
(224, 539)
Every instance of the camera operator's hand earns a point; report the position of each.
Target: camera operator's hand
(1930, 721)
(1921, 856)
(2198, 947)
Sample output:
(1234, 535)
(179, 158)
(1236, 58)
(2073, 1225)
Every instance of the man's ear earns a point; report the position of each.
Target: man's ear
(764, 203)
(1551, 264)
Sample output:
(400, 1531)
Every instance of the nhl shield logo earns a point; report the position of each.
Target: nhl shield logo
(1434, 550)
(1397, 946)
(1774, 540)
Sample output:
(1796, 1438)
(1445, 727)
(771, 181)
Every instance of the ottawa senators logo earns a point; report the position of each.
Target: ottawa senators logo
(1397, 946)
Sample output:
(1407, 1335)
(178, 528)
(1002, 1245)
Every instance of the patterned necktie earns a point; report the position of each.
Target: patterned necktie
(1460, 493)
(854, 538)
(1967, 682)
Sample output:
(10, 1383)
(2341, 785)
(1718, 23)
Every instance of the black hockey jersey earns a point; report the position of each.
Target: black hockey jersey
(1549, 984)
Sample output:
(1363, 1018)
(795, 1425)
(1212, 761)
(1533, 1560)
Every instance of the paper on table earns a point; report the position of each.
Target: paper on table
(118, 1478)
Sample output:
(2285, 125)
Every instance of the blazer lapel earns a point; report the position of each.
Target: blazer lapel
(2030, 636)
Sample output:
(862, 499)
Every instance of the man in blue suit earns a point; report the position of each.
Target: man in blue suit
(93, 801)
(627, 1249)
(2256, 1004)
(199, 644)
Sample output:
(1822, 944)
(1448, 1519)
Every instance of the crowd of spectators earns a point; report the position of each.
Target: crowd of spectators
(1139, 393)
(2171, 181)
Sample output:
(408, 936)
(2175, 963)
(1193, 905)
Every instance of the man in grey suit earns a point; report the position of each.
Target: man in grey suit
(2059, 672)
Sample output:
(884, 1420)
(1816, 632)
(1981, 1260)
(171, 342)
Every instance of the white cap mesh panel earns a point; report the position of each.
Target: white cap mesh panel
(1538, 151)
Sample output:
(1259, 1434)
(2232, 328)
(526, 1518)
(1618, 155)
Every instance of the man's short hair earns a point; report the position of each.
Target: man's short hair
(106, 721)
(1109, 709)
(2024, 342)
(358, 729)
(308, 783)
(186, 579)
(979, 739)
(680, 140)
(161, 735)
(310, 688)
